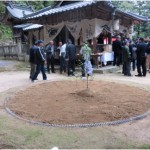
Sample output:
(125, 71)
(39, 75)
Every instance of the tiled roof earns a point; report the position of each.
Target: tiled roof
(133, 15)
(25, 13)
(33, 26)
(18, 11)
(48, 11)
(28, 26)
(22, 25)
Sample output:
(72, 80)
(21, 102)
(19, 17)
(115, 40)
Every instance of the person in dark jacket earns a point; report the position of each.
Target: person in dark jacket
(50, 52)
(70, 57)
(126, 59)
(117, 48)
(141, 58)
(134, 56)
(40, 61)
(32, 59)
(132, 49)
(148, 55)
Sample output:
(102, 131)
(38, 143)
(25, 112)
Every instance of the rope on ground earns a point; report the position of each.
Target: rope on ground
(111, 123)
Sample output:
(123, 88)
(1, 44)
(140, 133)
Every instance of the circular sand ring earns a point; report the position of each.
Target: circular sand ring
(106, 123)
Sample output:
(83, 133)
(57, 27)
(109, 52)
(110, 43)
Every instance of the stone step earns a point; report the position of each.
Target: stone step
(101, 70)
(106, 69)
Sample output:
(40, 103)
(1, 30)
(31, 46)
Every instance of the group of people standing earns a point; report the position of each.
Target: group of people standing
(125, 53)
(40, 56)
(137, 53)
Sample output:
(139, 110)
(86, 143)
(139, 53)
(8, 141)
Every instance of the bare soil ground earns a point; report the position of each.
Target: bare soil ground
(15, 133)
(70, 102)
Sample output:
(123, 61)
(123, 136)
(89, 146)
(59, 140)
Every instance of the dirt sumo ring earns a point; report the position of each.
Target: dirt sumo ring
(71, 104)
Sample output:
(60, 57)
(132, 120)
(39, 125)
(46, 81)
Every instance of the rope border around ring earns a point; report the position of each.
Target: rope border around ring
(117, 122)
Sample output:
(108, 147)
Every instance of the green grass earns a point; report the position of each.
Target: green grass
(144, 146)
(22, 135)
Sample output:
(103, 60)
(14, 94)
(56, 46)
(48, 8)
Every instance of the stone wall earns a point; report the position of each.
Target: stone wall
(8, 50)
(14, 51)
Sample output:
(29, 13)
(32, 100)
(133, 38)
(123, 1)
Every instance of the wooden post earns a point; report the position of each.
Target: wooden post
(109, 38)
(39, 34)
(94, 44)
(76, 42)
(87, 81)
(19, 45)
(66, 33)
(113, 17)
(81, 37)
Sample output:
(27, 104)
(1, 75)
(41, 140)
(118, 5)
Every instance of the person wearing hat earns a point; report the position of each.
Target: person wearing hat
(141, 58)
(40, 61)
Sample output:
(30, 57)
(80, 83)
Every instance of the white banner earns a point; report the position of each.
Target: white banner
(116, 24)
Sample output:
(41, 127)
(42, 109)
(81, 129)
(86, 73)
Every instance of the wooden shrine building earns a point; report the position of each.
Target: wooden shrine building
(95, 21)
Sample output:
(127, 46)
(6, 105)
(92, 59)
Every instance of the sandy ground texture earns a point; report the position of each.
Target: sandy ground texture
(17, 134)
(70, 102)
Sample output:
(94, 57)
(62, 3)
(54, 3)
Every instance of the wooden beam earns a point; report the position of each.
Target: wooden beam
(101, 14)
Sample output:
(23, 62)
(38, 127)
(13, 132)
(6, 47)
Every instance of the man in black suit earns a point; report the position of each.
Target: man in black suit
(70, 57)
(50, 52)
(117, 48)
(141, 58)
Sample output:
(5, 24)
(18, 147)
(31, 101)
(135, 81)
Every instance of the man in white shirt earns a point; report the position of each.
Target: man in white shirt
(62, 55)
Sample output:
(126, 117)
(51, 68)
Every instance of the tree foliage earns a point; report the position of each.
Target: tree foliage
(5, 32)
(123, 5)
(37, 5)
(2, 8)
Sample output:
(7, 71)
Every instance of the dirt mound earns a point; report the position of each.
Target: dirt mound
(69, 102)
(86, 93)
